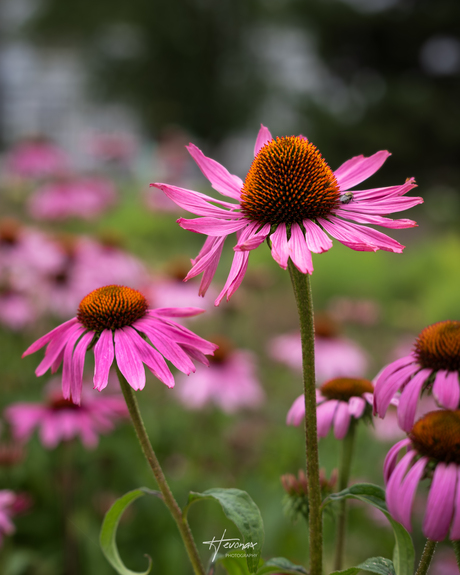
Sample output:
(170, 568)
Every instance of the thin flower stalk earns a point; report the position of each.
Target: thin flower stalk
(427, 556)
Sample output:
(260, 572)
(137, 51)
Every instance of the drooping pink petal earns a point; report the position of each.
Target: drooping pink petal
(195, 354)
(52, 353)
(103, 358)
(251, 237)
(209, 259)
(341, 420)
(299, 252)
(182, 335)
(455, 530)
(128, 360)
(446, 389)
(440, 504)
(317, 241)
(358, 169)
(263, 137)
(387, 192)
(356, 406)
(297, 412)
(409, 399)
(235, 277)
(280, 249)
(382, 206)
(177, 311)
(377, 220)
(346, 237)
(408, 489)
(197, 203)
(58, 331)
(325, 415)
(212, 226)
(387, 385)
(78, 364)
(67, 369)
(393, 493)
(220, 178)
(392, 456)
(367, 236)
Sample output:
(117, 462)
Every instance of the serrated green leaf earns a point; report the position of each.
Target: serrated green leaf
(107, 538)
(403, 555)
(282, 566)
(378, 565)
(244, 513)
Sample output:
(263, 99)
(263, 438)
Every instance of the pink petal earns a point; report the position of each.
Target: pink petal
(220, 178)
(177, 311)
(356, 406)
(210, 270)
(150, 356)
(207, 259)
(235, 277)
(366, 235)
(78, 365)
(212, 226)
(358, 169)
(325, 414)
(52, 354)
(376, 220)
(345, 236)
(67, 369)
(389, 382)
(128, 360)
(440, 504)
(297, 412)
(317, 241)
(299, 252)
(341, 420)
(393, 493)
(446, 389)
(251, 237)
(197, 203)
(409, 398)
(103, 359)
(387, 192)
(280, 250)
(263, 137)
(408, 489)
(392, 456)
(60, 330)
(455, 530)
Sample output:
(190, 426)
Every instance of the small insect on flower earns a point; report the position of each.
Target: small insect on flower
(346, 197)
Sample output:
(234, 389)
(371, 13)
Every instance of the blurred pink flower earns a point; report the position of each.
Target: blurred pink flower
(85, 197)
(58, 419)
(117, 147)
(444, 563)
(433, 452)
(230, 382)
(338, 400)
(292, 198)
(11, 504)
(17, 310)
(433, 365)
(37, 158)
(113, 321)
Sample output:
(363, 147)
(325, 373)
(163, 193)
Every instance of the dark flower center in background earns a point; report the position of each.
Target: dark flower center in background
(437, 435)
(343, 388)
(438, 346)
(326, 326)
(224, 350)
(10, 230)
(111, 307)
(288, 182)
(57, 403)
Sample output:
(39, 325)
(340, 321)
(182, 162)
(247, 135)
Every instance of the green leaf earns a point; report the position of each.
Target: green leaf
(244, 513)
(374, 565)
(233, 565)
(403, 555)
(107, 538)
(280, 565)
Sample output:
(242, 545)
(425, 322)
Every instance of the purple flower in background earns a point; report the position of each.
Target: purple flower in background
(11, 504)
(114, 320)
(433, 452)
(338, 400)
(291, 196)
(433, 365)
(36, 158)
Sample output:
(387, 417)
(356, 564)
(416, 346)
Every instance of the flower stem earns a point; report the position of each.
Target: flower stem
(302, 292)
(152, 460)
(426, 558)
(346, 456)
(456, 546)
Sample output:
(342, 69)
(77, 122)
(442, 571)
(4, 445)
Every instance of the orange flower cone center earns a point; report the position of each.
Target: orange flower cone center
(288, 182)
(343, 388)
(437, 435)
(111, 307)
(438, 346)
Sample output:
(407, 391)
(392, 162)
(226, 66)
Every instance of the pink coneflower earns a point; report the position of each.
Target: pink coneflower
(36, 158)
(114, 321)
(230, 383)
(11, 504)
(433, 452)
(433, 366)
(293, 197)
(338, 400)
(58, 419)
(335, 356)
(119, 148)
(79, 197)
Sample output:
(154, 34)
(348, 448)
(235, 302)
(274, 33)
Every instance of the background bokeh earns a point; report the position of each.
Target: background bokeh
(120, 88)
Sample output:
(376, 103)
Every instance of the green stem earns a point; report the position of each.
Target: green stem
(302, 292)
(456, 546)
(152, 460)
(426, 558)
(344, 477)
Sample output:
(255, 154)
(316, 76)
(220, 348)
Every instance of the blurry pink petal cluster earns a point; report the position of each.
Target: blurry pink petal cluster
(116, 322)
(11, 504)
(36, 158)
(118, 147)
(338, 400)
(292, 197)
(84, 197)
(58, 419)
(230, 383)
